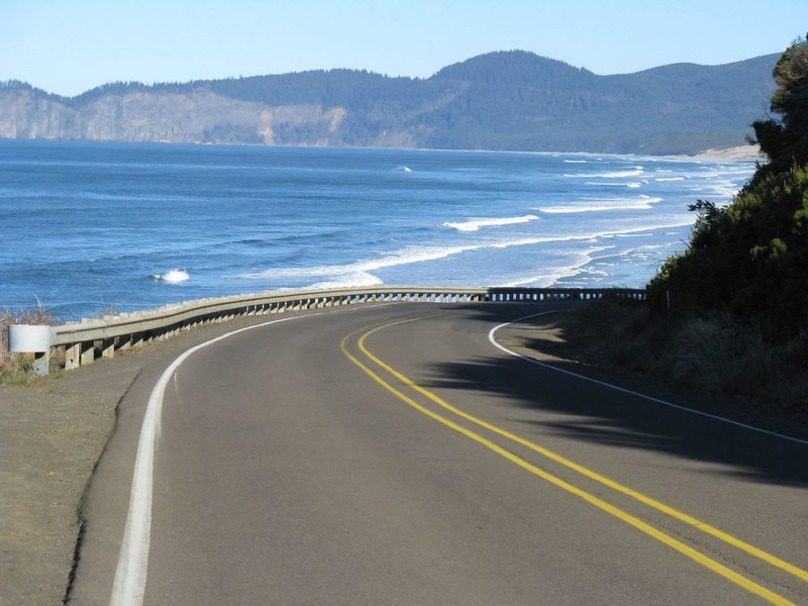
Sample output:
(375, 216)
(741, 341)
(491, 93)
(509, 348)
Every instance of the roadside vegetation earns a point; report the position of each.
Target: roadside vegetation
(730, 313)
(18, 368)
(710, 352)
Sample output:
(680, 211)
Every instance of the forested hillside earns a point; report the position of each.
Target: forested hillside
(504, 100)
(751, 258)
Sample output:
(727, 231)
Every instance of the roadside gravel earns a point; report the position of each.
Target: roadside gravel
(51, 435)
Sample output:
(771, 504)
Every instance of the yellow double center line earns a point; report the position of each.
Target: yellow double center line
(626, 517)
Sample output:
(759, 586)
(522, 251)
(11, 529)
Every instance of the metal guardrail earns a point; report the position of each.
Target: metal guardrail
(84, 342)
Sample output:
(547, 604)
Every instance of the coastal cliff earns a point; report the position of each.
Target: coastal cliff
(197, 116)
(505, 100)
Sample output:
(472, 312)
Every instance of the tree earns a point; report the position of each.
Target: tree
(751, 258)
(785, 139)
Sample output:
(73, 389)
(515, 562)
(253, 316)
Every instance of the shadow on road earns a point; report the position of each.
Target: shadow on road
(593, 413)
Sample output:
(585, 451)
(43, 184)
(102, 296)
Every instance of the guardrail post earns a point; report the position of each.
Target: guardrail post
(72, 353)
(108, 348)
(124, 342)
(87, 355)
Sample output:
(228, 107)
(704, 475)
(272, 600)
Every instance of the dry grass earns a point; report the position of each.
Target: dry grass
(17, 368)
(716, 353)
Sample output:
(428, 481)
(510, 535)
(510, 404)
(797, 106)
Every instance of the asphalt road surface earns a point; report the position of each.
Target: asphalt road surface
(394, 455)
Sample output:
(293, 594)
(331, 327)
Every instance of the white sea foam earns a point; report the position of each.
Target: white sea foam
(586, 268)
(412, 255)
(663, 179)
(404, 256)
(621, 174)
(641, 202)
(172, 276)
(615, 174)
(574, 161)
(547, 279)
(477, 224)
(614, 184)
(724, 188)
(356, 280)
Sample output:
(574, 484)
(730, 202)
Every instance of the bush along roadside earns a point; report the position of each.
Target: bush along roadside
(738, 295)
(750, 259)
(714, 352)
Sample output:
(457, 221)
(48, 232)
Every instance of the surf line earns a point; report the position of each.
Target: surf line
(129, 585)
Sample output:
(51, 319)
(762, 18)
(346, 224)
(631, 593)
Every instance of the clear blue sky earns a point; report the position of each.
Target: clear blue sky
(68, 46)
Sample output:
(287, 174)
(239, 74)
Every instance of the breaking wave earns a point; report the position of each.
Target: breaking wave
(477, 224)
(637, 171)
(641, 202)
(360, 273)
(173, 276)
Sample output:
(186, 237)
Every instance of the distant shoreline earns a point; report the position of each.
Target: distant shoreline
(738, 153)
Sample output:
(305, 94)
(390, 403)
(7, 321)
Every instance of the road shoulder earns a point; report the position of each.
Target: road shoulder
(552, 340)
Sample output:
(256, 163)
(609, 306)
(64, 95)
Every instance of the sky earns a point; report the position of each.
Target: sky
(69, 46)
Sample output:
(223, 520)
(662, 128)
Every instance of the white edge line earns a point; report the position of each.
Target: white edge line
(129, 585)
(494, 342)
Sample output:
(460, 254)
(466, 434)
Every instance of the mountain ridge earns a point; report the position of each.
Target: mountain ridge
(512, 100)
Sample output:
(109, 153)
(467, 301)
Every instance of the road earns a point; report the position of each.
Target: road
(393, 454)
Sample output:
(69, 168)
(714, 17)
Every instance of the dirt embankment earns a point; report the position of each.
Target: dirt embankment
(52, 432)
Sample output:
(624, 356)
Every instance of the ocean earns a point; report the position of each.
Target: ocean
(87, 228)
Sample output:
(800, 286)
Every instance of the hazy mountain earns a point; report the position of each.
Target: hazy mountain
(504, 100)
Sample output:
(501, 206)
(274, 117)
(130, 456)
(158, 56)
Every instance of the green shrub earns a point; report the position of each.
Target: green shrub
(750, 259)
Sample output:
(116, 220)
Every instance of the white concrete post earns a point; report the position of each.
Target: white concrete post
(31, 338)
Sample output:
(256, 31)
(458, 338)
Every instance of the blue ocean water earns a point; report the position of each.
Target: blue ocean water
(91, 227)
